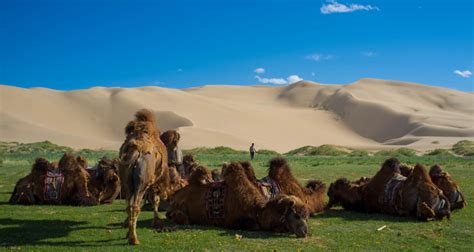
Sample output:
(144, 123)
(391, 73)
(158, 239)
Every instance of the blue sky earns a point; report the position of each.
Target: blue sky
(73, 44)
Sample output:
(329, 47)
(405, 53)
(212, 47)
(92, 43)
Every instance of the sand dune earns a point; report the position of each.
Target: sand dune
(369, 113)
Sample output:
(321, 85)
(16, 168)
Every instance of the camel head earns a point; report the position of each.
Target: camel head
(290, 214)
(200, 176)
(170, 138)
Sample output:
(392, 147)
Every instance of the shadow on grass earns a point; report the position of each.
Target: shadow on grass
(39, 232)
(357, 216)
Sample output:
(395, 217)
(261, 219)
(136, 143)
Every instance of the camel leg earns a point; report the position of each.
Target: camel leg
(133, 211)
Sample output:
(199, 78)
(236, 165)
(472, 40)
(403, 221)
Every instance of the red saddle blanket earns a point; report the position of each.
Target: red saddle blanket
(53, 185)
(215, 200)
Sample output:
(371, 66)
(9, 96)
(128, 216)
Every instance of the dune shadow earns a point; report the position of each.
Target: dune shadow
(18, 232)
(358, 216)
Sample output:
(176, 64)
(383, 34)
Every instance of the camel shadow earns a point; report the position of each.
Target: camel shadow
(40, 232)
(358, 216)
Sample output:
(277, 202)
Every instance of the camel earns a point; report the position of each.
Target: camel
(236, 202)
(450, 188)
(415, 195)
(104, 182)
(143, 166)
(281, 180)
(63, 183)
(347, 194)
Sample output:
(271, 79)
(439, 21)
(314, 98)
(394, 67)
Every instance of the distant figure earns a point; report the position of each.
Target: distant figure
(252, 151)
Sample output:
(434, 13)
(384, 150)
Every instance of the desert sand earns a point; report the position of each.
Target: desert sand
(370, 114)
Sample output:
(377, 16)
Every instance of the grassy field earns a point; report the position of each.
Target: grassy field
(45, 228)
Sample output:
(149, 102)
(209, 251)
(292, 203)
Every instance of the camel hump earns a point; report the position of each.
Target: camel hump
(145, 115)
(420, 172)
(278, 162)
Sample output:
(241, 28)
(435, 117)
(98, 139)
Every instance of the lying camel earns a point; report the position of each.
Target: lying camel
(347, 194)
(444, 182)
(66, 182)
(416, 195)
(281, 180)
(235, 203)
(104, 182)
(450, 188)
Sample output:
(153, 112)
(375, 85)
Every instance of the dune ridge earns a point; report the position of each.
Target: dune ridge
(369, 113)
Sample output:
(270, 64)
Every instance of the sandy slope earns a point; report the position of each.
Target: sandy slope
(369, 113)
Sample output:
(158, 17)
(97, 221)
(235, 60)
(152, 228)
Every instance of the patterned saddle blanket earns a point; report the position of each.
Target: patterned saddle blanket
(269, 187)
(391, 189)
(215, 199)
(53, 184)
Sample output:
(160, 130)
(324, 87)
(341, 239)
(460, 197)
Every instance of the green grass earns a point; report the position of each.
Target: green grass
(44, 228)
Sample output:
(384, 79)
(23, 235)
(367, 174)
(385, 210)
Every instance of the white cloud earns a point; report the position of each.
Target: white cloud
(369, 54)
(319, 57)
(464, 74)
(259, 70)
(279, 81)
(276, 81)
(293, 78)
(334, 7)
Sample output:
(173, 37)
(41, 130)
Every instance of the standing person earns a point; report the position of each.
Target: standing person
(252, 151)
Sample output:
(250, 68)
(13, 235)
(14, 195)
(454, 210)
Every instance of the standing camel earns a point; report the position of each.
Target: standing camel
(143, 162)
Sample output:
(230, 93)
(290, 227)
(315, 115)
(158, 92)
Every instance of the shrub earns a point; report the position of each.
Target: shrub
(440, 152)
(464, 148)
(323, 150)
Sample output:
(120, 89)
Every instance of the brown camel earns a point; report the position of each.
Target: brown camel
(282, 181)
(347, 194)
(143, 165)
(450, 188)
(235, 203)
(66, 182)
(416, 195)
(104, 182)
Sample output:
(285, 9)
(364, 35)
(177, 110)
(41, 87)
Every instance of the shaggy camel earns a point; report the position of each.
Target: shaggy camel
(143, 166)
(282, 181)
(66, 182)
(415, 195)
(235, 203)
(347, 194)
(450, 188)
(418, 193)
(104, 182)
(444, 182)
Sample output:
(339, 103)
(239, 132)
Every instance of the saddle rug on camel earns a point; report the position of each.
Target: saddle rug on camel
(215, 199)
(53, 184)
(391, 189)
